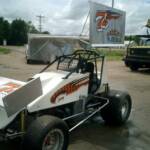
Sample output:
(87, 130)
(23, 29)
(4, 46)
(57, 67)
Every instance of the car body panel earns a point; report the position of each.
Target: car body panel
(7, 86)
(56, 91)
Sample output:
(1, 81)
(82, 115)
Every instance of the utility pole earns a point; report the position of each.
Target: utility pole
(113, 3)
(40, 17)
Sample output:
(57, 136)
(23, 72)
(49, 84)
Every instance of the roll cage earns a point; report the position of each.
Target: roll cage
(81, 61)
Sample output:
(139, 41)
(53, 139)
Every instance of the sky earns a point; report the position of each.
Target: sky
(66, 17)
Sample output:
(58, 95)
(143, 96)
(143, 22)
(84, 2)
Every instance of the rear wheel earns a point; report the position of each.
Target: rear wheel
(47, 133)
(119, 108)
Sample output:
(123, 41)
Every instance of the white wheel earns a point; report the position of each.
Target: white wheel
(54, 140)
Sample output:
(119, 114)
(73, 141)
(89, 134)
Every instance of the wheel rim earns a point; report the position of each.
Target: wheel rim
(124, 110)
(54, 140)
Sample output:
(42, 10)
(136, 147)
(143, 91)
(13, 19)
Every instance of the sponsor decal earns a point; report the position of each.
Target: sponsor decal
(114, 36)
(69, 88)
(103, 19)
(9, 87)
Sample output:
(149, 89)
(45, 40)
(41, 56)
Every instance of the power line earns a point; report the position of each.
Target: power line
(40, 17)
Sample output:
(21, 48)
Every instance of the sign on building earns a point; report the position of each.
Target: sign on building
(107, 25)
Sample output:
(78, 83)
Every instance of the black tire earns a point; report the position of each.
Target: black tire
(126, 63)
(38, 133)
(113, 113)
(134, 68)
(28, 61)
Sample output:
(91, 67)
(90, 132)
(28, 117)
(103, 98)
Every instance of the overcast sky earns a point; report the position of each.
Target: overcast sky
(68, 16)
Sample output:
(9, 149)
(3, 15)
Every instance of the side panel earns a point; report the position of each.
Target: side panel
(69, 90)
(19, 99)
(6, 87)
(4, 119)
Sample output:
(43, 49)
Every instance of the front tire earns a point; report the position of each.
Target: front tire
(47, 133)
(118, 110)
(134, 68)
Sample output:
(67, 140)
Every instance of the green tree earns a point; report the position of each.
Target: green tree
(134, 38)
(45, 32)
(127, 38)
(19, 32)
(1, 30)
(16, 32)
(137, 40)
(31, 28)
(4, 30)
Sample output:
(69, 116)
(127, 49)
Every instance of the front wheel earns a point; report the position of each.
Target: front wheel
(47, 133)
(118, 110)
(134, 68)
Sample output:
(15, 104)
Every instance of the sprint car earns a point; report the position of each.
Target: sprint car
(65, 94)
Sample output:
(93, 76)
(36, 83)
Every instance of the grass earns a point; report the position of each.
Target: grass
(113, 54)
(4, 50)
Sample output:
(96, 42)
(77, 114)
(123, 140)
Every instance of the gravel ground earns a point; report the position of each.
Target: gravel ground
(95, 135)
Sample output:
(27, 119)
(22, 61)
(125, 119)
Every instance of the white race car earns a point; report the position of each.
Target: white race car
(43, 111)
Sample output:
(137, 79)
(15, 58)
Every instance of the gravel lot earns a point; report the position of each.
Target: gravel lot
(95, 135)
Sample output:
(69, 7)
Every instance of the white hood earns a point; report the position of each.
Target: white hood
(50, 80)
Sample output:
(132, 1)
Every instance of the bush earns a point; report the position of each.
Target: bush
(113, 54)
